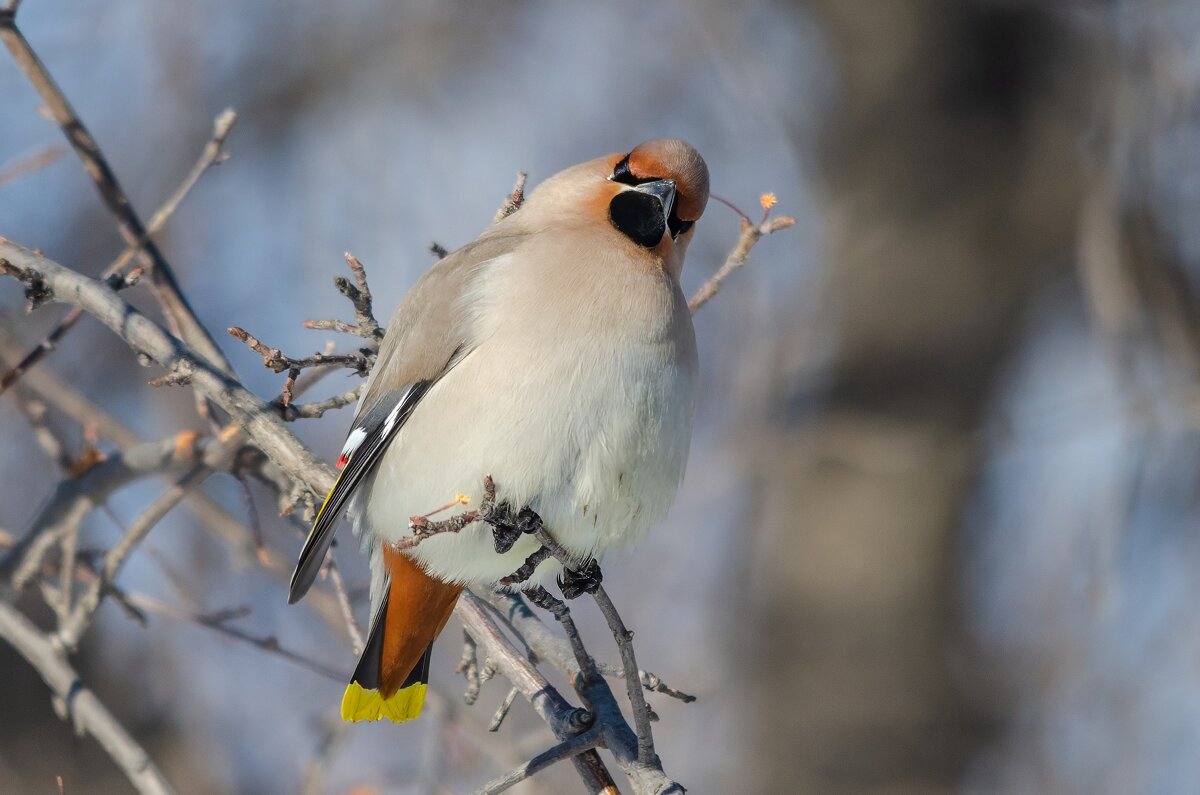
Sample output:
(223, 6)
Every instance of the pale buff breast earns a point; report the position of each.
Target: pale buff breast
(587, 425)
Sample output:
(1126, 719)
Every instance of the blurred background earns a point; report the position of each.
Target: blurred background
(937, 532)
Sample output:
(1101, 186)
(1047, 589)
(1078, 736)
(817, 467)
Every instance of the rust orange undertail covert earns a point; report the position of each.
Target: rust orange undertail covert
(393, 672)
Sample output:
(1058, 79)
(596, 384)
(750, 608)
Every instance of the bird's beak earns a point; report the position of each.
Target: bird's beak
(661, 189)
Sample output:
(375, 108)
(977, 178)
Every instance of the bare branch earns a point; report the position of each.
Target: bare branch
(357, 643)
(210, 156)
(361, 362)
(633, 682)
(166, 289)
(565, 721)
(308, 411)
(219, 622)
(502, 711)
(79, 619)
(564, 750)
(513, 202)
(749, 237)
(556, 650)
(263, 424)
(360, 296)
(83, 707)
(75, 497)
(28, 164)
(468, 666)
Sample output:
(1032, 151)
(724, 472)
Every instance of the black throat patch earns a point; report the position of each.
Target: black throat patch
(638, 216)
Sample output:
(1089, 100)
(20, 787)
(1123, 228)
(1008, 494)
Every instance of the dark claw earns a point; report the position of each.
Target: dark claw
(576, 583)
(504, 536)
(528, 521)
(506, 528)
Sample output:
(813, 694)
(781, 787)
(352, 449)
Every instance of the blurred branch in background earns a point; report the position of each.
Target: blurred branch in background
(179, 314)
(212, 155)
(952, 183)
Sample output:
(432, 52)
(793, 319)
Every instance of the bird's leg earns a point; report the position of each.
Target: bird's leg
(576, 583)
(507, 525)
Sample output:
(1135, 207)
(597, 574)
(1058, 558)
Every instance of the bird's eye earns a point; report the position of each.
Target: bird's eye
(638, 216)
(677, 226)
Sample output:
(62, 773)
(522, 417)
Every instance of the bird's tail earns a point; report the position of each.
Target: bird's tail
(393, 672)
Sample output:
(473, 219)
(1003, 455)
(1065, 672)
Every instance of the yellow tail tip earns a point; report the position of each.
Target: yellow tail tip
(405, 704)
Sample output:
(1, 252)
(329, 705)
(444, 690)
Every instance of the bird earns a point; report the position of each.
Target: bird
(555, 353)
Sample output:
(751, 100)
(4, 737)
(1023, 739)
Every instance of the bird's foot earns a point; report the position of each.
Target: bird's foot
(527, 568)
(507, 525)
(576, 583)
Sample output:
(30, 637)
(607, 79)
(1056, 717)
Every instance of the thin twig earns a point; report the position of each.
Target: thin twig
(80, 617)
(30, 163)
(513, 202)
(317, 409)
(556, 650)
(357, 643)
(210, 156)
(565, 750)
(749, 237)
(264, 425)
(166, 289)
(360, 296)
(422, 528)
(564, 720)
(502, 711)
(274, 359)
(468, 666)
(75, 497)
(361, 362)
(218, 622)
(633, 681)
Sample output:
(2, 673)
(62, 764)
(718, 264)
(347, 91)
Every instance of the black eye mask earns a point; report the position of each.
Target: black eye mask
(623, 175)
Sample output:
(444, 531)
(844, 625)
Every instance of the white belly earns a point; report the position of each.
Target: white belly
(592, 434)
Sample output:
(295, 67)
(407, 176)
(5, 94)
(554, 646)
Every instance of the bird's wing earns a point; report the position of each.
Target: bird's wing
(427, 336)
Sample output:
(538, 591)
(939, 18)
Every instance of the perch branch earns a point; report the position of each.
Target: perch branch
(564, 720)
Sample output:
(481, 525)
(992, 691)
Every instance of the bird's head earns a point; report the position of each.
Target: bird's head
(648, 198)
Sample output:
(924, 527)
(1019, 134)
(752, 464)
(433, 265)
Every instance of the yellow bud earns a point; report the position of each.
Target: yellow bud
(767, 200)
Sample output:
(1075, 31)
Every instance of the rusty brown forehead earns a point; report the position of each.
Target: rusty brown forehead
(672, 159)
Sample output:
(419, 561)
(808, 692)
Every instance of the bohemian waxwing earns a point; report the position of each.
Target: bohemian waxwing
(554, 353)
